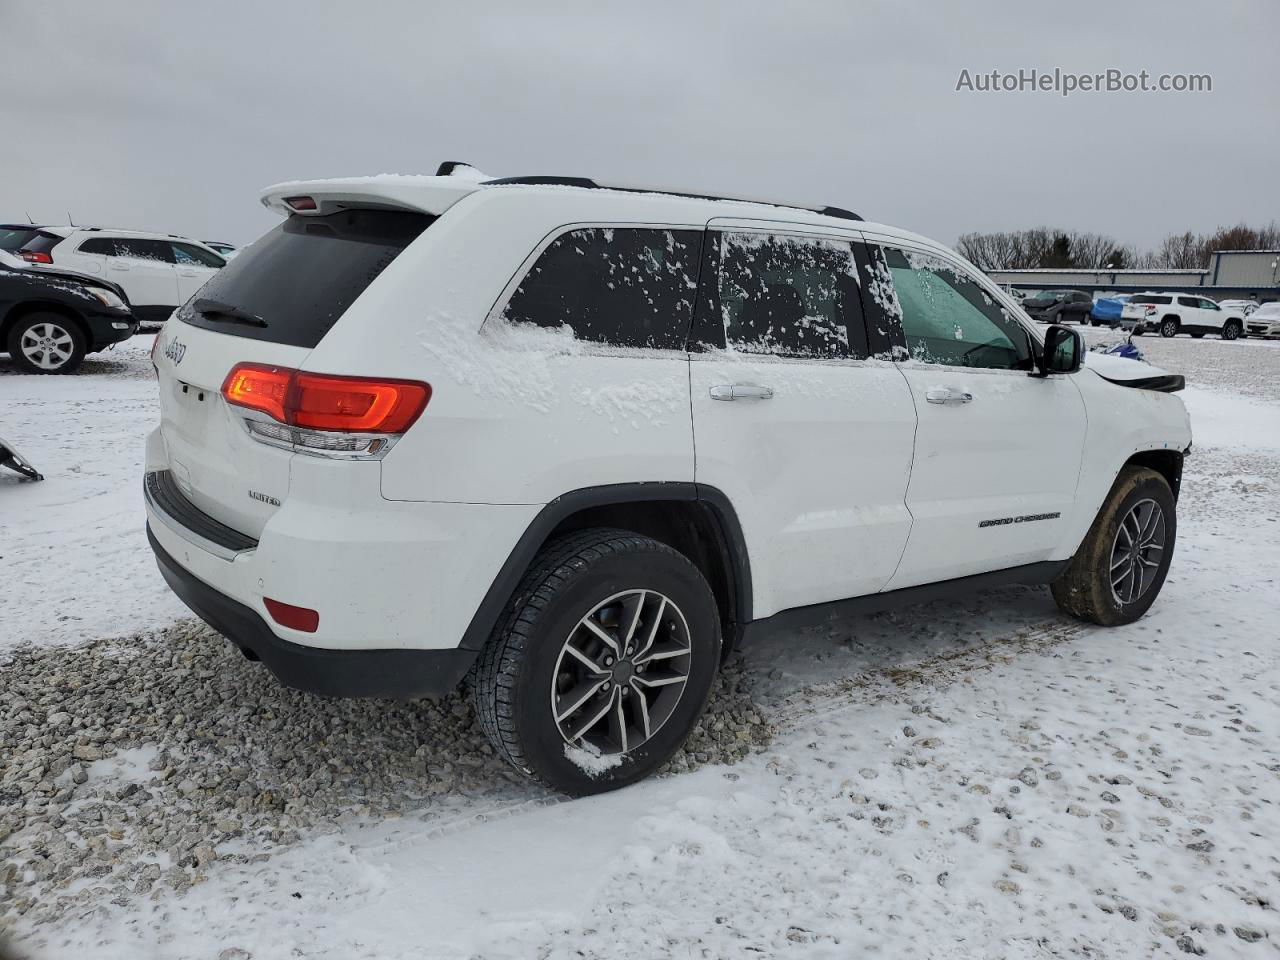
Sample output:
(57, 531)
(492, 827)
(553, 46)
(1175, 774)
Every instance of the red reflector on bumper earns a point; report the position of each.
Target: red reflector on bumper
(295, 618)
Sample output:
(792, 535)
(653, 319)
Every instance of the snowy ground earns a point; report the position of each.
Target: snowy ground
(972, 779)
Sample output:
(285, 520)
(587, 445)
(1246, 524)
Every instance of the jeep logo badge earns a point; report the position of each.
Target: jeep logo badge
(175, 351)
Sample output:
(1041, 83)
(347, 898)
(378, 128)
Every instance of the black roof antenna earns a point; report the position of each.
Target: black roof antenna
(29, 220)
(70, 222)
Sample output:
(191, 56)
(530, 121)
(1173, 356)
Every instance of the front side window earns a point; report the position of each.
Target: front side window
(191, 255)
(790, 296)
(624, 286)
(135, 249)
(1208, 305)
(947, 318)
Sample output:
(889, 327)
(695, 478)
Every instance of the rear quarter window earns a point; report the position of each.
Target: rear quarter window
(623, 286)
(301, 277)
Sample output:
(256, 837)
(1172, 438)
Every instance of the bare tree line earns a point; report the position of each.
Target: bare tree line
(1047, 247)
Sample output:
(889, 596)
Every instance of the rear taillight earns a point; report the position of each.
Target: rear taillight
(301, 203)
(1150, 309)
(32, 256)
(316, 401)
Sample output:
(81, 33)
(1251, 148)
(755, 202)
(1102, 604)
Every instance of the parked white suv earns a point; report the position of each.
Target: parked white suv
(157, 271)
(574, 443)
(1175, 313)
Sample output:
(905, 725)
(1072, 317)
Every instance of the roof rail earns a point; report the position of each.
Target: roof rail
(588, 184)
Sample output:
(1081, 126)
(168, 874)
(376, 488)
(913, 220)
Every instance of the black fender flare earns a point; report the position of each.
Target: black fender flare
(566, 505)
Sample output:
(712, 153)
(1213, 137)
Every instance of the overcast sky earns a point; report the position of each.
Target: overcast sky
(172, 116)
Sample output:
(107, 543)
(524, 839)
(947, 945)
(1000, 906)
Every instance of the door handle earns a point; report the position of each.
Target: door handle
(740, 391)
(947, 395)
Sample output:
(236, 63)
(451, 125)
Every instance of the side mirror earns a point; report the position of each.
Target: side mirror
(1063, 351)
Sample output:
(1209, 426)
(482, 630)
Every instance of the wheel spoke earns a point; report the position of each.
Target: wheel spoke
(603, 634)
(659, 681)
(643, 708)
(633, 616)
(653, 631)
(593, 719)
(579, 697)
(585, 660)
(621, 721)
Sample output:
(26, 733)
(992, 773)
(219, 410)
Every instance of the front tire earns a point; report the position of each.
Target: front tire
(46, 343)
(601, 663)
(1120, 567)
(1231, 331)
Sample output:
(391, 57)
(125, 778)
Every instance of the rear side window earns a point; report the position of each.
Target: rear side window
(1147, 298)
(790, 296)
(135, 249)
(625, 286)
(99, 245)
(303, 275)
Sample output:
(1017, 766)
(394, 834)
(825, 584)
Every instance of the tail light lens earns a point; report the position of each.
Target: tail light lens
(301, 203)
(32, 256)
(315, 401)
(295, 618)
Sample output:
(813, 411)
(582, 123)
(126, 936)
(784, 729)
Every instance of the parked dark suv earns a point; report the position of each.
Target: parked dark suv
(1059, 306)
(49, 319)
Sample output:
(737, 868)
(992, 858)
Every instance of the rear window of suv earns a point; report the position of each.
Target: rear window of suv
(303, 275)
(1140, 298)
(14, 238)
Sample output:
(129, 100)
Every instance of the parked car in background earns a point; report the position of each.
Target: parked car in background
(1173, 313)
(49, 319)
(1107, 309)
(1265, 321)
(1059, 306)
(370, 505)
(225, 250)
(1245, 306)
(158, 271)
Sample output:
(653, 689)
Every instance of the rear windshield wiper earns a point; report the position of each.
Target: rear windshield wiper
(217, 310)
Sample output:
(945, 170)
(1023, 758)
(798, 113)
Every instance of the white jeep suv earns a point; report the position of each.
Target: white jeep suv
(573, 443)
(1175, 313)
(157, 271)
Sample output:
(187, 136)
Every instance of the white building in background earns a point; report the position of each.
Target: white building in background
(1232, 274)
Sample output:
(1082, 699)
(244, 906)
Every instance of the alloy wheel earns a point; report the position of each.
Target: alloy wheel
(621, 672)
(1137, 551)
(47, 345)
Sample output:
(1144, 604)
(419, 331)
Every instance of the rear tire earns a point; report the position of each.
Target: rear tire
(1131, 541)
(46, 343)
(1169, 328)
(533, 694)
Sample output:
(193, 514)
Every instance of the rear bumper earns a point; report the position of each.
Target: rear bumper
(398, 674)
